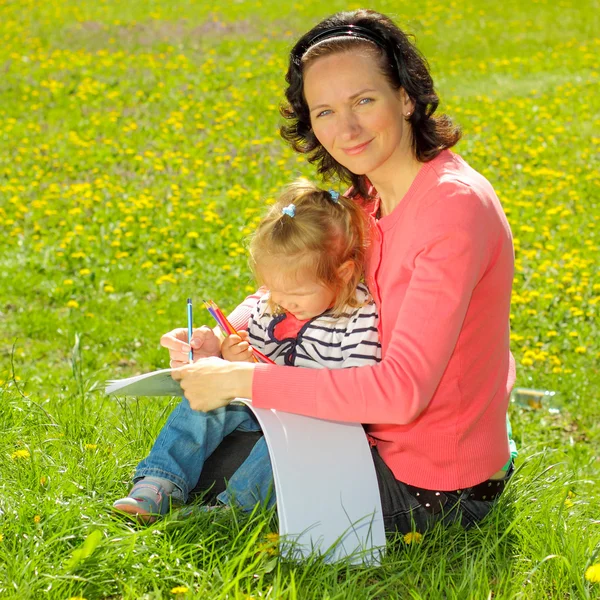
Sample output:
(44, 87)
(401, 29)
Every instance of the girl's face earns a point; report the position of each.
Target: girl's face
(299, 293)
(355, 113)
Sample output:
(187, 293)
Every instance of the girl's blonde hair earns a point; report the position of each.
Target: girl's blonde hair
(326, 231)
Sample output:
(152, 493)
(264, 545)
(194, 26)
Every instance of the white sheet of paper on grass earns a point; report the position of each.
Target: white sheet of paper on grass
(327, 492)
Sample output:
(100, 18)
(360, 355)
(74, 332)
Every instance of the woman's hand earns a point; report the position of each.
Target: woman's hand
(205, 342)
(213, 382)
(236, 348)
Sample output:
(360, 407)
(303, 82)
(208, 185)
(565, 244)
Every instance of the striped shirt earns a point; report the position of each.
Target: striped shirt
(324, 342)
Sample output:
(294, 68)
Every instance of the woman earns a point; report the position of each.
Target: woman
(361, 105)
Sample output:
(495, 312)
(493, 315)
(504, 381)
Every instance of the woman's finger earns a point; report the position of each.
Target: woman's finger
(175, 340)
(175, 364)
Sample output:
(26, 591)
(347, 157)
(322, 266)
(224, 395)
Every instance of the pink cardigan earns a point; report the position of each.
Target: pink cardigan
(440, 270)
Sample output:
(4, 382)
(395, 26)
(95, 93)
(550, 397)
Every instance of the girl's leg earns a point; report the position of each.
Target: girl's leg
(187, 439)
(174, 464)
(252, 483)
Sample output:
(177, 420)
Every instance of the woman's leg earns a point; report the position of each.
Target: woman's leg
(408, 509)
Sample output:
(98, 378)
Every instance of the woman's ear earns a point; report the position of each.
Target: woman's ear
(408, 104)
(346, 270)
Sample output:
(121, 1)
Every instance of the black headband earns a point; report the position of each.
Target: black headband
(349, 31)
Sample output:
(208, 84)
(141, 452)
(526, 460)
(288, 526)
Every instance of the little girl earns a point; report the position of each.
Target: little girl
(308, 252)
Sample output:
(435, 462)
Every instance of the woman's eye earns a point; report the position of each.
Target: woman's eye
(365, 100)
(323, 113)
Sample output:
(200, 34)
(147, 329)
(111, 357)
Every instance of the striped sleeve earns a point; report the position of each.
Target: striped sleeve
(240, 316)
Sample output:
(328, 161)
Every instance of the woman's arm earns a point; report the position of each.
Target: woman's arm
(394, 391)
(452, 254)
(424, 336)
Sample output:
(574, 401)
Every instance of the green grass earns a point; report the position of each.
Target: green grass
(138, 148)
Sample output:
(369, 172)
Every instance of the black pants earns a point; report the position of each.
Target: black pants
(405, 509)
(402, 509)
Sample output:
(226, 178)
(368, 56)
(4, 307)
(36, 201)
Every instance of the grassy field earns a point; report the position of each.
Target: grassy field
(138, 148)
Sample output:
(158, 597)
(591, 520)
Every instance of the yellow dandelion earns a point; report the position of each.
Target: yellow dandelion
(1, 537)
(77, 598)
(180, 589)
(43, 481)
(593, 573)
(569, 503)
(193, 234)
(272, 537)
(18, 454)
(68, 282)
(413, 537)
(109, 289)
(581, 349)
(72, 304)
(91, 446)
(37, 519)
(84, 271)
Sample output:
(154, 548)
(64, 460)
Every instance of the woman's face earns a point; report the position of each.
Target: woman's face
(355, 113)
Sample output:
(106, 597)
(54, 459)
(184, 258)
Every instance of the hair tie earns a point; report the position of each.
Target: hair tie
(289, 210)
(347, 31)
(335, 196)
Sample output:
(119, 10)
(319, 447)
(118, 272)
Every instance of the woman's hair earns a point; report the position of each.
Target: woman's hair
(325, 231)
(400, 62)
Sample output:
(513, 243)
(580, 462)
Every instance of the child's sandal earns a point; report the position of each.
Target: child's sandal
(145, 502)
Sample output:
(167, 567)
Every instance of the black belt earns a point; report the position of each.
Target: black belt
(434, 501)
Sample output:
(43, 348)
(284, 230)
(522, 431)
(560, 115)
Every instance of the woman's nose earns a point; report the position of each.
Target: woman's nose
(349, 126)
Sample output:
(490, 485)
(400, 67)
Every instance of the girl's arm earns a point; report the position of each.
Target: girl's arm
(241, 314)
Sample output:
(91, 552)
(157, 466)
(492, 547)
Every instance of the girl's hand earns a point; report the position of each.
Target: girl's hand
(213, 382)
(236, 348)
(205, 342)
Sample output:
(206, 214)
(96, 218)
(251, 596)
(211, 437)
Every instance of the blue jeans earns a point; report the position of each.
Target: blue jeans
(189, 437)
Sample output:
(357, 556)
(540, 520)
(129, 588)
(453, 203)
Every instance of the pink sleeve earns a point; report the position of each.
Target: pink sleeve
(447, 266)
(241, 314)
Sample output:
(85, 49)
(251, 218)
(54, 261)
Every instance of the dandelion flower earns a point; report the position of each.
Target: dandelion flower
(23, 453)
(1, 537)
(91, 446)
(109, 289)
(37, 519)
(593, 573)
(72, 304)
(180, 589)
(413, 537)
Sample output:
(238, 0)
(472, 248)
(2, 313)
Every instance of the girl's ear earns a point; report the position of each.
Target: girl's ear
(346, 270)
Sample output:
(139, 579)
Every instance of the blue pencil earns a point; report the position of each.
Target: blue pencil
(190, 329)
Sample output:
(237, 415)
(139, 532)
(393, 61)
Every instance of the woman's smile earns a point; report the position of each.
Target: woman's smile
(354, 150)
